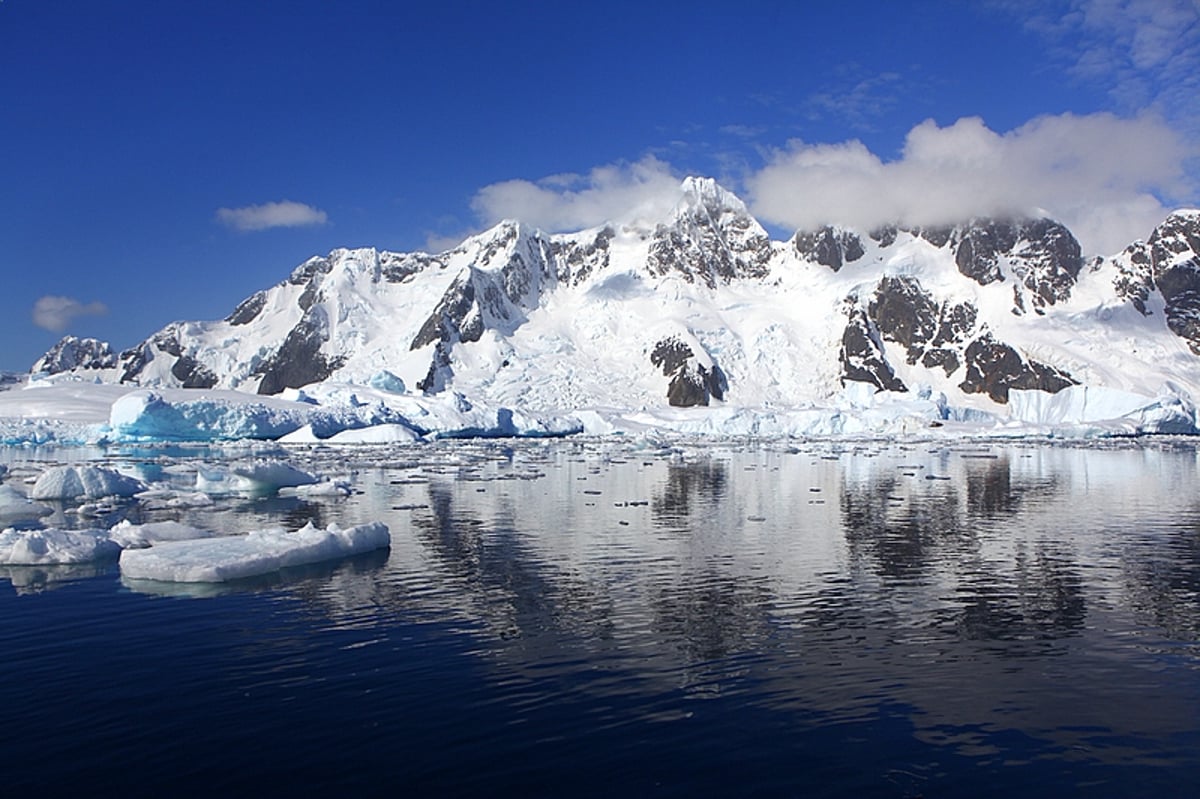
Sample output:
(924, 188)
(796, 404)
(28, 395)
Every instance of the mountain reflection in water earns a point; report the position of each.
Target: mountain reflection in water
(587, 616)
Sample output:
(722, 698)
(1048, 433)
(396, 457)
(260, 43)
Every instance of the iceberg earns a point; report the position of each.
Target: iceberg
(16, 508)
(52, 547)
(84, 482)
(147, 415)
(255, 478)
(216, 560)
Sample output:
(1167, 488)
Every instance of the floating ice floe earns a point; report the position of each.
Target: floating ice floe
(215, 560)
(325, 489)
(16, 508)
(256, 478)
(84, 482)
(128, 535)
(47, 547)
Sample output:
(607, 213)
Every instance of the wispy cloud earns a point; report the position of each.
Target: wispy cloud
(612, 193)
(1144, 53)
(1101, 175)
(856, 97)
(56, 313)
(271, 215)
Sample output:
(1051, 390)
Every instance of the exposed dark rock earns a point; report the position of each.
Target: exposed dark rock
(691, 382)
(937, 235)
(1175, 255)
(134, 360)
(76, 353)
(945, 358)
(956, 323)
(1135, 276)
(711, 243)
(439, 374)
(885, 235)
(248, 310)
(903, 312)
(994, 368)
(192, 374)
(445, 323)
(304, 274)
(829, 246)
(167, 340)
(1043, 255)
(862, 357)
(980, 244)
(1048, 263)
(310, 295)
(576, 262)
(299, 360)
(397, 268)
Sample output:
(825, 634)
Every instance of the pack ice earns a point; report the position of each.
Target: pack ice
(49, 547)
(216, 560)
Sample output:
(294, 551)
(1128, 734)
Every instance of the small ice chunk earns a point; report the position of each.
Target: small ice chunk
(256, 478)
(329, 488)
(16, 507)
(138, 536)
(215, 560)
(384, 380)
(44, 547)
(87, 482)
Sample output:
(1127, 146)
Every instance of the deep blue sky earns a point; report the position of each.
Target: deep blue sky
(126, 126)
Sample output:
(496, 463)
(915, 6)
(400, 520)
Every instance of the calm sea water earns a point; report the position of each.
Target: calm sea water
(583, 618)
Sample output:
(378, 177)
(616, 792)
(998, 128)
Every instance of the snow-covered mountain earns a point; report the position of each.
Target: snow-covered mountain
(700, 307)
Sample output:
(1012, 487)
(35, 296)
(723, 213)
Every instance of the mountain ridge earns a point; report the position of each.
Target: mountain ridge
(701, 306)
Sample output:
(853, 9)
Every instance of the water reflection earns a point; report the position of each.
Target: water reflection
(999, 602)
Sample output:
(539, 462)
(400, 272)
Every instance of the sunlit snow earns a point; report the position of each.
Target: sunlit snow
(214, 560)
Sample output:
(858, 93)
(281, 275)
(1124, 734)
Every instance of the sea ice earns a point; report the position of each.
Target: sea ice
(15, 507)
(258, 478)
(138, 536)
(215, 560)
(44, 547)
(84, 482)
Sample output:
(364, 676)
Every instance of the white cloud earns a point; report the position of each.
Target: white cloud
(271, 215)
(56, 313)
(614, 193)
(1145, 53)
(1101, 175)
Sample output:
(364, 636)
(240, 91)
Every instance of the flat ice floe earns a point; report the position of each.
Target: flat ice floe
(50, 547)
(216, 560)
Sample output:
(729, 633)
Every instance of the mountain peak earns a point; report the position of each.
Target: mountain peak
(707, 193)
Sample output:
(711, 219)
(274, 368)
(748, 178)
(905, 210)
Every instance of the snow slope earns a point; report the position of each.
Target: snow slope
(516, 331)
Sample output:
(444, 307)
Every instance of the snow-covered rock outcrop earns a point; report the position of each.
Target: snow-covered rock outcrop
(696, 306)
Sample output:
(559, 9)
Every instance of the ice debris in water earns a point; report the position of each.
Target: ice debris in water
(45, 547)
(215, 560)
(84, 482)
(128, 535)
(16, 508)
(256, 478)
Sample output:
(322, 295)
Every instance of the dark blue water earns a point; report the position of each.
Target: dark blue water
(587, 619)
